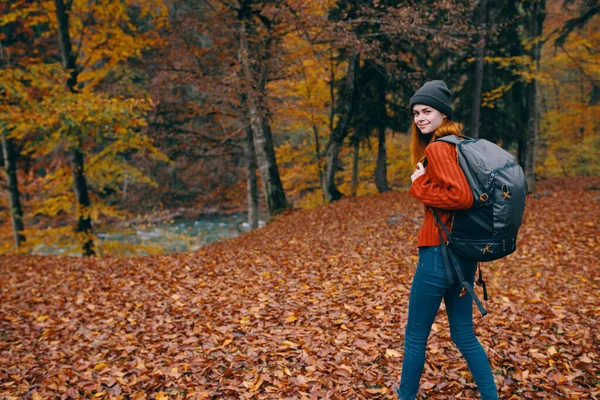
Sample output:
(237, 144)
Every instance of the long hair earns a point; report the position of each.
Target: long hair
(420, 141)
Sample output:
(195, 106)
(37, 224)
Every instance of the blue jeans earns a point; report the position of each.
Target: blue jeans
(430, 285)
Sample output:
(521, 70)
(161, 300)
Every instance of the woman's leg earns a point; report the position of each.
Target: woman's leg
(428, 288)
(460, 317)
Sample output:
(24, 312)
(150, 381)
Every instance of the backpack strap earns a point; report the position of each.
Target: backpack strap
(441, 226)
(481, 283)
(453, 139)
(444, 250)
(452, 261)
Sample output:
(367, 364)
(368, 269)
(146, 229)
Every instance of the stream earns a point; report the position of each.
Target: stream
(183, 235)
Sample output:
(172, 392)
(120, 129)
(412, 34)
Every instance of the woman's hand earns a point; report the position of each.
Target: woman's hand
(418, 172)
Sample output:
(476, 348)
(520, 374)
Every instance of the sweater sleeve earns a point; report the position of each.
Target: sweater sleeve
(443, 185)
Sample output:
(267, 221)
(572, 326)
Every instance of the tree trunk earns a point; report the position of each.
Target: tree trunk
(478, 88)
(331, 165)
(69, 58)
(518, 102)
(16, 212)
(251, 180)
(263, 142)
(522, 150)
(538, 14)
(355, 157)
(594, 95)
(340, 131)
(84, 223)
(173, 181)
(125, 185)
(315, 129)
(381, 167)
(318, 157)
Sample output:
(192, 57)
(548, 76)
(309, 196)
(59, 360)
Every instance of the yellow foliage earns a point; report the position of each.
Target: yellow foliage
(298, 168)
(569, 136)
(37, 110)
(491, 96)
(398, 156)
(300, 175)
(570, 124)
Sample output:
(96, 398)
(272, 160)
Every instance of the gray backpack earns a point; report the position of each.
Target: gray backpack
(488, 230)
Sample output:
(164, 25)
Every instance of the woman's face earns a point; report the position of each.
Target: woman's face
(427, 118)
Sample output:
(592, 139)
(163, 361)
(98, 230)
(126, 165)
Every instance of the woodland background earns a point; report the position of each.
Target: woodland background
(114, 113)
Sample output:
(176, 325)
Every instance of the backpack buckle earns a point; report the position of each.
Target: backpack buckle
(484, 197)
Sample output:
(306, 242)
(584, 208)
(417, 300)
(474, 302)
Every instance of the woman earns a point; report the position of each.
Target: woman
(443, 186)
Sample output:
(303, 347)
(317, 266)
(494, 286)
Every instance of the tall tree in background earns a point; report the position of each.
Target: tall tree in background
(537, 14)
(347, 40)
(373, 81)
(12, 34)
(80, 187)
(200, 114)
(346, 104)
(254, 62)
(251, 179)
(505, 75)
(478, 87)
(381, 181)
(10, 154)
(570, 120)
(215, 75)
(371, 119)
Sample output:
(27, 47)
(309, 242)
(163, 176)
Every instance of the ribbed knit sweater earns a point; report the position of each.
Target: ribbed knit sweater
(443, 187)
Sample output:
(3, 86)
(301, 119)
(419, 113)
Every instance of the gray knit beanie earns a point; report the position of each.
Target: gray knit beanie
(435, 94)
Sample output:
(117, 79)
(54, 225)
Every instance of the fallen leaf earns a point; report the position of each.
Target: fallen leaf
(100, 366)
(389, 353)
(291, 318)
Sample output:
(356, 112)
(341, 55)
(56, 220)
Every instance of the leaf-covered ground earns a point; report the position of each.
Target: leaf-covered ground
(312, 306)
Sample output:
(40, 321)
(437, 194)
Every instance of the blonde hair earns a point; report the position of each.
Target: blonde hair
(420, 141)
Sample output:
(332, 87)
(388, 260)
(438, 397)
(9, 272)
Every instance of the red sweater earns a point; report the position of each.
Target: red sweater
(443, 187)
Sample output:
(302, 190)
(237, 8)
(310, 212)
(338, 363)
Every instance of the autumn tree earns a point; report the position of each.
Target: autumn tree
(501, 79)
(216, 77)
(345, 109)
(371, 120)
(70, 107)
(251, 180)
(11, 95)
(69, 62)
(537, 14)
(570, 122)
(10, 163)
(257, 42)
(317, 91)
(478, 86)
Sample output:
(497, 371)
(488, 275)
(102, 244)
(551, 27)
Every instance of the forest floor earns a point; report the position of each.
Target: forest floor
(311, 306)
